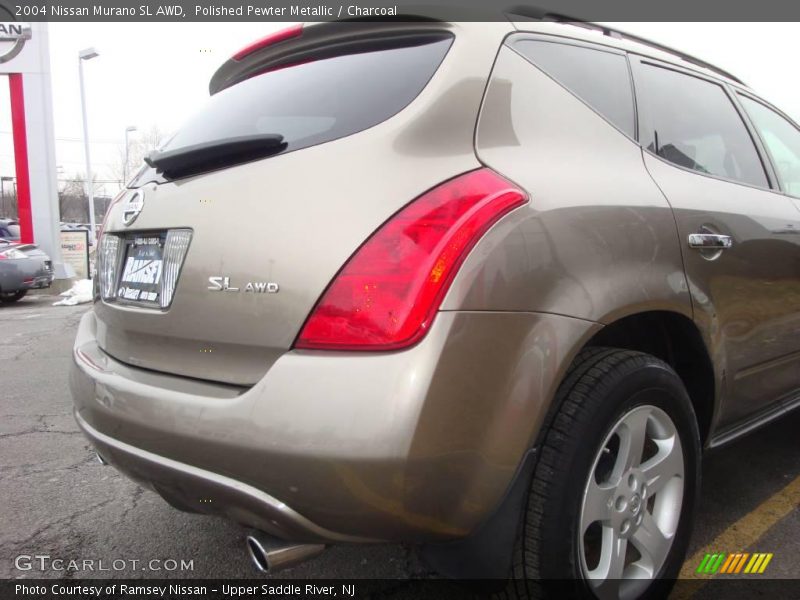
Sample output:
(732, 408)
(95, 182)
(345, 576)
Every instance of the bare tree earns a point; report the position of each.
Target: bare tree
(140, 145)
(73, 202)
(8, 208)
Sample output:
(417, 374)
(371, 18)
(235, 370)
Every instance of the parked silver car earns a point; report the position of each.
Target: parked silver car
(494, 288)
(22, 267)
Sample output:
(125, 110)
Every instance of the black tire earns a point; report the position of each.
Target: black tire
(9, 297)
(601, 386)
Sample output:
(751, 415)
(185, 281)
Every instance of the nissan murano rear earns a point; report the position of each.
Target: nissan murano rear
(488, 289)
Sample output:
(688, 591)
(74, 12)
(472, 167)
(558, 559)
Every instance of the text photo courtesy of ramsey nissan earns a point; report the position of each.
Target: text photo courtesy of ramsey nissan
(443, 300)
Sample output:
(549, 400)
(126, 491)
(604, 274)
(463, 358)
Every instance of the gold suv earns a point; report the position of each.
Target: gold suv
(485, 288)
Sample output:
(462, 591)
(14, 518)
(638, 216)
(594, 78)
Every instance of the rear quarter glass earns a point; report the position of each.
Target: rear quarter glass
(316, 101)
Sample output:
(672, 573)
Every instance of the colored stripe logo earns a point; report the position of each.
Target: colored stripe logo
(737, 562)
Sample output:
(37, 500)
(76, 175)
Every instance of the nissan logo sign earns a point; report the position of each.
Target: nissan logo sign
(132, 207)
(17, 33)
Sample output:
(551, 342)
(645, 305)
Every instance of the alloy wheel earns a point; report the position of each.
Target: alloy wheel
(631, 504)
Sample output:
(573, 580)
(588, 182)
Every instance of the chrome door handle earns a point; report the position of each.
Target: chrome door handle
(712, 241)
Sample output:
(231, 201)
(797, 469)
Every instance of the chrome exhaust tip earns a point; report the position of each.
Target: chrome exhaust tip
(270, 554)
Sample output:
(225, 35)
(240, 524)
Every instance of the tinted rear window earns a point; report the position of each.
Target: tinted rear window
(318, 101)
(599, 78)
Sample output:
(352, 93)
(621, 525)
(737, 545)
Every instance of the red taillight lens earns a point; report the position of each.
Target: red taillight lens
(270, 40)
(387, 294)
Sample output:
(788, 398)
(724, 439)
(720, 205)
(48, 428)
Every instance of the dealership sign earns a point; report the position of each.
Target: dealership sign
(75, 251)
(12, 39)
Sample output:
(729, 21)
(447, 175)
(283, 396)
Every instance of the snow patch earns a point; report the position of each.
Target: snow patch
(80, 293)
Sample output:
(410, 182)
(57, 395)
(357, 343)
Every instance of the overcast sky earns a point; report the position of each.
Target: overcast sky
(159, 75)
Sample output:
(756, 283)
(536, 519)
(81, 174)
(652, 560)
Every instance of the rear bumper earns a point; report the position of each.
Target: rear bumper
(180, 483)
(25, 277)
(413, 446)
(38, 282)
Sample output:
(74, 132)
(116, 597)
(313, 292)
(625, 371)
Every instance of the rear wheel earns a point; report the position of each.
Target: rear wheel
(9, 297)
(610, 507)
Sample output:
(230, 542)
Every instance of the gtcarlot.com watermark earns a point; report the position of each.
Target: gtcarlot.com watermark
(45, 563)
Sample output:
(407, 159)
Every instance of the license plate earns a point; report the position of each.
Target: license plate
(141, 275)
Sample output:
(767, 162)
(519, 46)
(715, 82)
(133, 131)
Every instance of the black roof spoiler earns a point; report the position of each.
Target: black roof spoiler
(334, 36)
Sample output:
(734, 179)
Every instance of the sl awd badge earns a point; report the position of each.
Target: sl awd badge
(220, 283)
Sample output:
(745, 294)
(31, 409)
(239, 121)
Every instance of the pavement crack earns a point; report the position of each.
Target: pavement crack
(136, 496)
(64, 522)
(35, 431)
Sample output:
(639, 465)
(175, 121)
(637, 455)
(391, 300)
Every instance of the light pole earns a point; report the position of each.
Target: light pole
(128, 129)
(87, 54)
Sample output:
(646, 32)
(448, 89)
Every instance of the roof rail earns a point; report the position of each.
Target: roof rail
(541, 14)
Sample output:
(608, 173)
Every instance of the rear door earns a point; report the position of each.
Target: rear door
(739, 233)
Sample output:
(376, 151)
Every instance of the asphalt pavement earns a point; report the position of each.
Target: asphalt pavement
(57, 500)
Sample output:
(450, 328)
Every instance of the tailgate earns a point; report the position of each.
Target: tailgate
(268, 236)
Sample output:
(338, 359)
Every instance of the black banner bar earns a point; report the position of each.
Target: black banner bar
(451, 10)
(744, 588)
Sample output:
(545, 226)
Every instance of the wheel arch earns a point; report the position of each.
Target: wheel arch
(675, 339)
(668, 335)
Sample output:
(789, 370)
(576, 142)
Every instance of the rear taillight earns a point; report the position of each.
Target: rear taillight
(270, 40)
(387, 294)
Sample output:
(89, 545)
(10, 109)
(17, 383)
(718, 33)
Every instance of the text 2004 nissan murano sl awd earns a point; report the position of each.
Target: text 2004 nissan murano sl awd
(485, 288)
